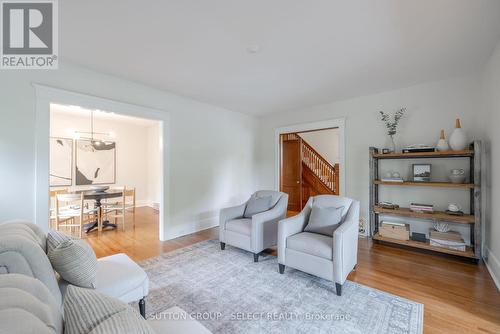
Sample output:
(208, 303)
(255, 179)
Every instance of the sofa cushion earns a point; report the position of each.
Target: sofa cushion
(24, 229)
(275, 195)
(88, 311)
(335, 201)
(242, 226)
(257, 205)
(324, 220)
(73, 259)
(312, 244)
(120, 277)
(29, 300)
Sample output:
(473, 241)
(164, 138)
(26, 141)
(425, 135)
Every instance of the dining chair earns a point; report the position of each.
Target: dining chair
(52, 204)
(72, 211)
(118, 209)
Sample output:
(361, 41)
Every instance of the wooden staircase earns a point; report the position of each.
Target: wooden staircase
(318, 175)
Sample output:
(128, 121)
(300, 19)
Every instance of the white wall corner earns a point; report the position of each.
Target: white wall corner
(493, 265)
(180, 230)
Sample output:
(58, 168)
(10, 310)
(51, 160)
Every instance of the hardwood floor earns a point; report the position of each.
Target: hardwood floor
(458, 296)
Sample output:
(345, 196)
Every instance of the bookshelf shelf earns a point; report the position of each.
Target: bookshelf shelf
(436, 215)
(426, 245)
(426, 184)
(473, 220)
(422, 155)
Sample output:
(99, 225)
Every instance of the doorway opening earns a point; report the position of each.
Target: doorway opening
(309, 165)
(47, 96)
(104, 169)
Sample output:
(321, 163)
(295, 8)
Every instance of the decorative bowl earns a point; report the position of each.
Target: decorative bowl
(99, 188)
(457, 178)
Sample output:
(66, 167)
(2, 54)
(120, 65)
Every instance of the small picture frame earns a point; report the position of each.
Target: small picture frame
(421, 172)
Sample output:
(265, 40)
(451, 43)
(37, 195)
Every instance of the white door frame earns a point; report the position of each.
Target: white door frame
(326, 124)
(46, 95)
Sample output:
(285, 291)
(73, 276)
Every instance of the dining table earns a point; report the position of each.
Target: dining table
(98, 196)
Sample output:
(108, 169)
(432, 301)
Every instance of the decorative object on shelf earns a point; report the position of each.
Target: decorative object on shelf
(418, 148)
(391, 123)
(392, 177)
(421, 172)
(399, 231)
(455, 213)
(442, 144)
(458, 138)
(386, 151)
(453, 207)
(388, 205)
(457, 175)
(417, 207)
(441, 227)
(415, 236)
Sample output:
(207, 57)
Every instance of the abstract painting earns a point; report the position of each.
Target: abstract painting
(61, 161)
(95, 162)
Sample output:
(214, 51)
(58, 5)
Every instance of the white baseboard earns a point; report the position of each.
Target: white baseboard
(189, 228)
(142, 203)
(493, 266)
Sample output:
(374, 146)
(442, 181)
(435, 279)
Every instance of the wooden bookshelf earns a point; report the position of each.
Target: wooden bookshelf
(427, 184)
(436, 215)
(473, 220)
(426, 245)
(420, 155)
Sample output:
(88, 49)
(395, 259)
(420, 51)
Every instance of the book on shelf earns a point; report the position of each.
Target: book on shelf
(418, 148)
(392, 223)
(421, 207)
(450, 235)
(392, 179)
(455, 245)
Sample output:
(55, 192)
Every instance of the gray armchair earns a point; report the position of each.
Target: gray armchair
(331, 258)
(255, 233)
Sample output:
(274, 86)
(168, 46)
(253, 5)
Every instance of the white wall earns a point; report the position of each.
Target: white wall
(212, 155)
(136, 164)
(491, 88)
(431, 107)
(325, 142)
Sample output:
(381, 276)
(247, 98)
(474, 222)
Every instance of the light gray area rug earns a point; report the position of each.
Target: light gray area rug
(229, 293)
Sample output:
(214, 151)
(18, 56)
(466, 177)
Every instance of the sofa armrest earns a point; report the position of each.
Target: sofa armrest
(265, 225)
(228, 214)
(288, 227)
(21, 255)
(345, 245)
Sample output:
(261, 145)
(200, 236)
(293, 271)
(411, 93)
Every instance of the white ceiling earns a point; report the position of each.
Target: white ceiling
(311, 51)
(99, 115)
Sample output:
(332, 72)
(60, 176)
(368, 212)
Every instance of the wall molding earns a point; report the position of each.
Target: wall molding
(45, 95)
(493, 265)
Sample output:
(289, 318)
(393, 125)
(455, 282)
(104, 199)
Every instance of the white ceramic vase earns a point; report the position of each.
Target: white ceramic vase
(442, 144)
(458, 139)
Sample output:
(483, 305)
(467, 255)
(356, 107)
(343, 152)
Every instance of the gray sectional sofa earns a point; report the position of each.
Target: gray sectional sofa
(24, 267)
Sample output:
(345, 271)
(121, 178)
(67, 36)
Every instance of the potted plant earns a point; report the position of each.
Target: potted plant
(391, 123)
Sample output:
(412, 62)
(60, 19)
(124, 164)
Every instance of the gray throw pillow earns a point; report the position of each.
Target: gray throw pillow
(73, 259)
(257, 205)
(88, 311)
(324, 220)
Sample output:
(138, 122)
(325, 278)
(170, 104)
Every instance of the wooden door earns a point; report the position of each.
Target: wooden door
(291, 173)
